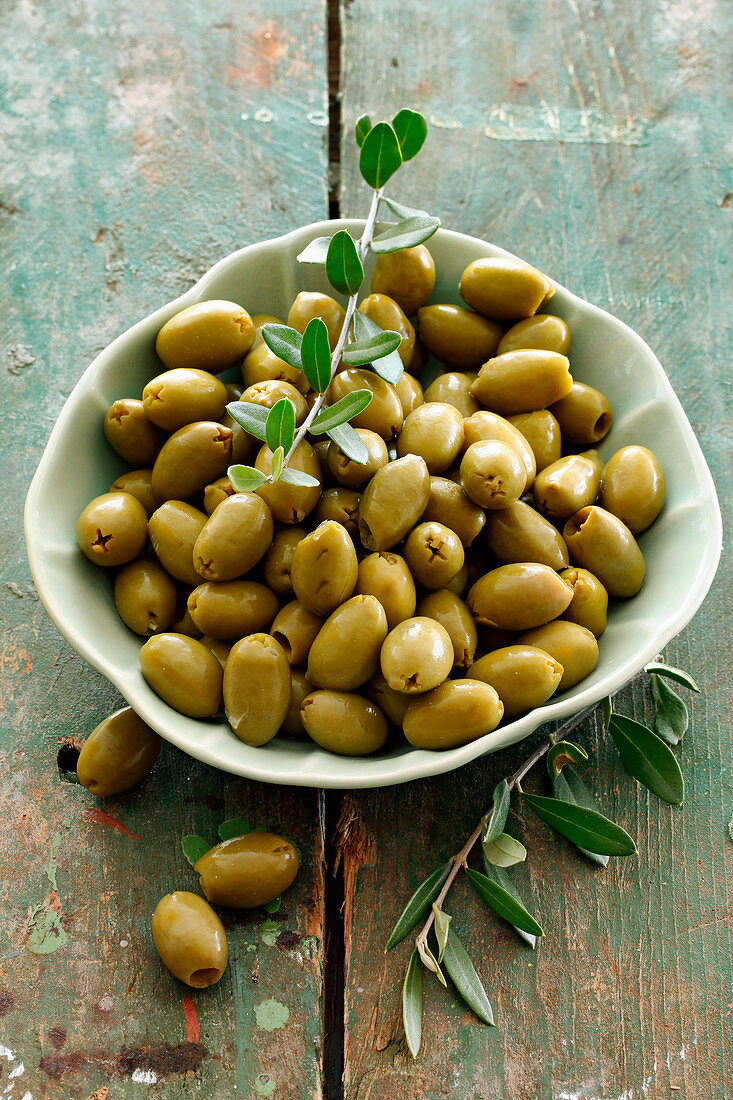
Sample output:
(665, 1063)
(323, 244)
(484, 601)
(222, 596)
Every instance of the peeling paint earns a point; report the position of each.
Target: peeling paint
(270, 930)
(271, 1015)
(264, 1085)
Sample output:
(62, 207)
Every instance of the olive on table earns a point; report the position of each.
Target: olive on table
(566, 486)
(355, 475)
(542, 433)
(296, 629)
(234, 538)
(341, 504)
(182, 396)
(345, 653)
(215, 493)
(603, 544)
(145, 597)
(278, 560)
(247, 871)
(632, 487)
(493, 474)
(488, 425)
(407, 276)
(174, 528)
(300, 686)
(310, 304)
(434, 431)
(291, 503)
(584, 415)
(409, 391)
(448, 609)
(270, 391)
(589, 604)
(117, 754)
(450, 504)
(190, 939)
(262, 365)
(417, 655)
(519, 596)
(504, 288)
(324, 568)
(138, 484)
(386, 576)
(434, 554)
(522, 381)
(208, 335)
(184, 673)
(344, 723)
(454, 388)
(383, 414)
(452, 714)
(131, 434)
(191, 458)
(571, 645)
(112, 529)
(458, 337)
(256, 688)
(519, 533)
(393, 502)
(543, 331)
(523, 675)
(386, 313)
(230, 609)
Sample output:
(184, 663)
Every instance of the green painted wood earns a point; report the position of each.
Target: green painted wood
(590, 139)
(140, 143)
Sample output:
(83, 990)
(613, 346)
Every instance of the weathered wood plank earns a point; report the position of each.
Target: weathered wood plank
(141, 142)
(588, 138)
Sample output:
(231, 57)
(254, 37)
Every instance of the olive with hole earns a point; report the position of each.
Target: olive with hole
(182, 396)
(519, 596)
(256, 688)
(270, 391)
(417, 655)
(453, 714)
(385, 312)
(410, 393)
(454, 388)
(571, 645)
(542, 433)
(392, 703)
(522, 675)
(493, 474)
(434, 431)
(603, 544)
(145, 597)
(386, 576)
(129, 432)
(324, 568)
(341, 504)
(296, 629)
(383, 414)
(291, 503)
(190, 459)
(244, 872)
(278, 560)
(571, 483)
(519, 533)
(522, 381)
(584, 415)
(458, 337)
(407, 276)
(174, 528)
(450, 504)
(355, 475)
(215, 493)
(184, 673)
(589, 605)
(230, 609)
(234, 538)
(346, 651)
(208, 336)
(117, 754)
(300, 687)
(543, 331)
(488, 425)
(393, 502)
(448, 609)
(112, 529)
(344, 722)
(190, 939)
(218, 647)
(434, 554)
(262, 365)
(310, 304)
(504, 288)
(632, 487)
(138, 483)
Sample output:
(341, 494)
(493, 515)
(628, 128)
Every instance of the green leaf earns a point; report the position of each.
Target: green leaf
(501, 878)
(380, 155)
(249, 416)
(276, 463)
(505, 851)
(406, 234)
(283, 341)
(245, 479)
(316, 355)
(648, 759)
(347, 439)
(586, 828)
(672, 673)
(465, 979)
(671, 720)
(291, 476)
(430, 962)
(418, 906)
(234, 826)
(503, 904)
(273, 906)
(194, 847)
(280, 425)
(315, 252)
(412, 1004)
(341, 411)
(361, 129)
(495, 821)
(362, 352)
(344, 269)
(390, 366)
(569, 787)
(606, 709)
(562, 753)
(442, 924)
(411, 129)
(400, 211)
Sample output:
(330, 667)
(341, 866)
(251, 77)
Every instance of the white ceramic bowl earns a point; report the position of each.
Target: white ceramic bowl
(681, 549)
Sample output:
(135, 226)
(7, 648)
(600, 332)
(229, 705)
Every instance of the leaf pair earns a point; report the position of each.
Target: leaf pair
(344, 269)
(194, 847)
(386, 146)
(500, 849)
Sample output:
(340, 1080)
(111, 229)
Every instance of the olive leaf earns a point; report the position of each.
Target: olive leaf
(411, 130)
(344, 269)
(562, 753)
(291, 476)
(389, 367)
(276, 464)
(315, 252)
(606, 709)
(283, 341)
(430, 962)
(273, 906)
(194, 847)
(505, 851)
(568, 786)
(245, 479)
(406, 234)
(400, 211)
(501, 878)
(586, 828)
(418, 906)
(648, 758)
(412, 1004)
(352, 445)
(442, 924)
(464, 977)
(251, 417)
(503, 904)
(341, 411)
(316, 355)
(361, 129)
(234, 826)
(672, 719)
(362, 352)
(280, 425)
(495, 821)
(380, 155)
(672, 673)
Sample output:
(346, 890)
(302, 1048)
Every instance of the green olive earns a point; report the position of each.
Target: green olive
(386, 576)
(174, 529)
(519, 596)
(452, 714)
(262, 365)
(244, 445)
(571, 483)
(449, 504)
(295, 628)
(324, 568)
(488, 425)
(602, 543)
(493, 474)
(340, 504)
(521, 381)
(448, 609)
(407, 276)
(542, 433)
(458, 584)
(247, 871)
(278, 560)
(454, 388)
(145, 597)
(344, 723)
(633, 487)
(259, 320)
(383, 414)
(208, 335)
(131, 434)
(458, 337)
(190, 939)
(354, 475)
(256, 688)
(410, 392)
(138, 484)
(392, 703)
(182, 396)
(417, 655)
(434, 554)
(231, 609)
(234, 538)
(589, 604)
(571, 645)
(185, 674)
(184, 624)
(117, 754)
(275, 389)
(518, 533)
(434, 431)
(393, 502)
(504, 288)
(543, 331)
(346, 651)
(584, 416)
(419, 361)
(310, 304)
(320, 449)
(385, 312)
(112, 529)
(300, 686)
(219, 648)
(523, 676)
(190, 459)
(217, 492)
(291, 503)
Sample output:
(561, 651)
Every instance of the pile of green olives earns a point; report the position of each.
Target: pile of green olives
(456, 579)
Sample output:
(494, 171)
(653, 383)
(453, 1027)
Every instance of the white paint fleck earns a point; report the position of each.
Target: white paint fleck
(264, 115)
(6, 1052)
(145, 1076)
(244, 116)
(18, 1071)
(106, 1003)
(27, 1096)
(123, 943)
(318, 118)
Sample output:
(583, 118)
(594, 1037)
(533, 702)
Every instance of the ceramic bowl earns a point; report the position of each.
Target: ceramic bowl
(681, 549)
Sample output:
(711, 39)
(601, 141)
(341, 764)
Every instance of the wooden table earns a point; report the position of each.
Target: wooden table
(141, 142)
